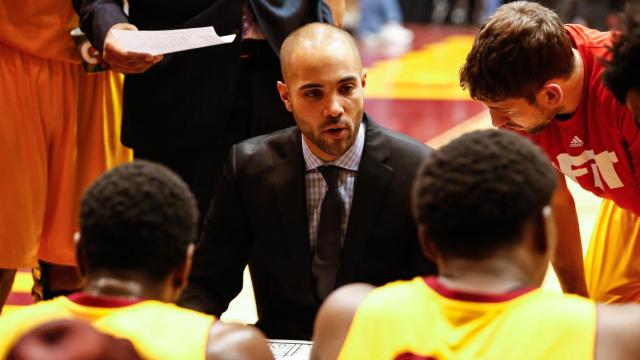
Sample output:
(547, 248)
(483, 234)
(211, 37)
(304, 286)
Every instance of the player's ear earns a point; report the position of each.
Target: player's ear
(428, 248)
(550, 231)
(541, 230)
(550, 95)
(77, 239)
(363, 78)
(285, 95)
(183, 272)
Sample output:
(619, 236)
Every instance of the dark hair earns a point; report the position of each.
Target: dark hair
(623, 69)
(139, 216)
(473, 196)
(517, 50)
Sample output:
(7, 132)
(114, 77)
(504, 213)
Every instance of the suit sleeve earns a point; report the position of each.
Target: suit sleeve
(98, 16)
(223, 251)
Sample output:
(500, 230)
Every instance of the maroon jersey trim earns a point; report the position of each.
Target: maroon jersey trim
(101, 301)
(412, 356)
(438, 287)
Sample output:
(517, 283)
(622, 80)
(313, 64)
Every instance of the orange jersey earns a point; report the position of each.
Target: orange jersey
(39, 28)
(422, 319)
(158, 330)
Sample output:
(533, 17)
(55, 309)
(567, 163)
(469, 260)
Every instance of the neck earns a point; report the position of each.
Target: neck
(495, 275)
(572, 87)
(132, 288)
(325, 157)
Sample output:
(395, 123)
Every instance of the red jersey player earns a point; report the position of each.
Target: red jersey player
(543, 79)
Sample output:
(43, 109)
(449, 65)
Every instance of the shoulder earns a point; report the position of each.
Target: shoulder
(574, 313)
(41, 311)
(334, 319)
(235, 341)
(16, 323)
(403, 143)
(618, 331)
(155, 314)
(266, 149)
(403, 150)
(583, 36)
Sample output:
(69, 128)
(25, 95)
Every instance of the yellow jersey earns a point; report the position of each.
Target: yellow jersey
(422, 319)
(158, 330)
(40, 28)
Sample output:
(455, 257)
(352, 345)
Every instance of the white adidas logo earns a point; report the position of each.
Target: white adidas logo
(576, 142)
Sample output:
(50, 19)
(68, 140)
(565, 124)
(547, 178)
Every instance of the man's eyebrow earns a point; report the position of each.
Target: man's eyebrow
(493, 107)
(310, 86)
(348, 79)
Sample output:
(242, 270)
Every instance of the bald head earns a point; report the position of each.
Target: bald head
(313, 40)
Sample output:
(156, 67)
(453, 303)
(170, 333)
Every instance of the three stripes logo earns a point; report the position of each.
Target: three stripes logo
(576, 142)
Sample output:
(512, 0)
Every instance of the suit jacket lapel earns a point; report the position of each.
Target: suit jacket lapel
(291, 195)
(370, 191)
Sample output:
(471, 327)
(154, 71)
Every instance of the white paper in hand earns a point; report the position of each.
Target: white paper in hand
(168, 41)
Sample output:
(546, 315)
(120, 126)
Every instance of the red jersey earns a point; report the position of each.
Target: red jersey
(599, 145)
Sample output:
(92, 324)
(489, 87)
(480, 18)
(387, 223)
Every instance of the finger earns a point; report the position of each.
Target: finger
(129, 57)
(127, 62)
(132, 69)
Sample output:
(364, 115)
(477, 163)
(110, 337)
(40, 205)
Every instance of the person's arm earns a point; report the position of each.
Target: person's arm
(98, 19)
(334, 320)
(337, 10)
(223, 251)
(237, 342)
(568, 261)
(617, 332)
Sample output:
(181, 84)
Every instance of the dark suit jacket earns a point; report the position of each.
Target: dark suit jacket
(183, 101)
(259, 216)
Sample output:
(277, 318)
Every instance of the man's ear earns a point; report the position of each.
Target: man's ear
(77, 239)
(550, 95)
(428, 249)
(285, 96)
(550, 230)
(543, 234)
(363, 80)
(181, 274)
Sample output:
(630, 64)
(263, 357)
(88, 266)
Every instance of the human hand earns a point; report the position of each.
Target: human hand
(124, 61)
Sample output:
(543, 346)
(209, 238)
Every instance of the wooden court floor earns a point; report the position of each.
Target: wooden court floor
(414, 91)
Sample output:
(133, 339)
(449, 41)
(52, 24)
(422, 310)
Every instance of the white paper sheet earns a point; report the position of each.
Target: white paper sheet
(168, 41)
(290, 349)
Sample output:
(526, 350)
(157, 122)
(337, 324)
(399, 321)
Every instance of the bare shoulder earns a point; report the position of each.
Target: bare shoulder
(618, 332)
(334, 319)
(229, 341)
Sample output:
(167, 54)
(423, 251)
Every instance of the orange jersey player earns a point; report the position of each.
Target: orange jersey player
(59, 129)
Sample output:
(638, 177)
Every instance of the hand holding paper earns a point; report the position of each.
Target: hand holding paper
(168, 41)
(122, 60)
(134, 51)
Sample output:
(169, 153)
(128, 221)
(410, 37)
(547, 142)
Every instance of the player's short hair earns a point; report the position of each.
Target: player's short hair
(623, 69)
(518, 49)
(137, 217)
(474, 195)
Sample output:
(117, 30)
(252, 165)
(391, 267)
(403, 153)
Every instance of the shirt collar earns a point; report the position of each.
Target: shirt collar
(350, 160)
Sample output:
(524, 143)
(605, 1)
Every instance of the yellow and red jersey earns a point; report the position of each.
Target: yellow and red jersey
(422, 319)
(158, 330)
